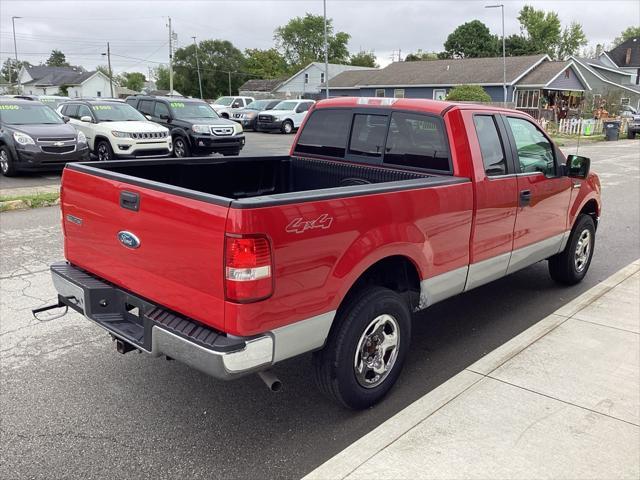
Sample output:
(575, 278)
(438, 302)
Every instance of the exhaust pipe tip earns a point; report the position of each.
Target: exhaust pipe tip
(272, 382)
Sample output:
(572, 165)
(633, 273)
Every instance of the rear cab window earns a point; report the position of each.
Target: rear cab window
(380, 137)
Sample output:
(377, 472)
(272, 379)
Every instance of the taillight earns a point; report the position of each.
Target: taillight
(248, 269)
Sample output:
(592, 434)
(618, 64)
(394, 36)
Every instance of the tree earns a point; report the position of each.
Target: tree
(468, 93)
(471, 40)
(132, 80)
(571, 40)
(543, 31)
(105, 70)
(516, 45)
(10, 69)
(161, 74)
(627, 34)
(220, 64)
(420, 56)
(301, 41)
(363, 59)
(265, 63)
(57, 59)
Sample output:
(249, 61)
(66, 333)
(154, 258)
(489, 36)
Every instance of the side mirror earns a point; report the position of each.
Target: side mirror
(578, 166)
(236, 105)
(65, 119)
(164, 116)
(148, 117)
(86, 118)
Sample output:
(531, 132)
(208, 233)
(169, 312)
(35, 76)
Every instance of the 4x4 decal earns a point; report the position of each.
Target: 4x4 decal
(299, 225)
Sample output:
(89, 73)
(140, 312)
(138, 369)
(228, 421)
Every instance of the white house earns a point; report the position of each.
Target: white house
(45, 80)
(306, 83)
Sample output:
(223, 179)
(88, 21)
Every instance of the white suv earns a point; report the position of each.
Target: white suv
(224, 105)
(116, 130)
(286, 116)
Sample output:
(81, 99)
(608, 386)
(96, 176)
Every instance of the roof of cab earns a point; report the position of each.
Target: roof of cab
(436, 107)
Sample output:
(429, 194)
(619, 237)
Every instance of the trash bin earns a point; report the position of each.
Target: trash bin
(612, 130)
(588, 126)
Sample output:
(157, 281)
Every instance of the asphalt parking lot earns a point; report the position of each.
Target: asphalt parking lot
(70, 406)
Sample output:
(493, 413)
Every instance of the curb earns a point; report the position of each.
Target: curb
(366, 447)
(11, 205)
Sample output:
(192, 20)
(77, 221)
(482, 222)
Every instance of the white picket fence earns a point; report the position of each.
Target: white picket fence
(579, 126)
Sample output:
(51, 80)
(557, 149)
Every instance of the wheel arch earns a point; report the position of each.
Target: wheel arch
(591, 208)
(100, 137)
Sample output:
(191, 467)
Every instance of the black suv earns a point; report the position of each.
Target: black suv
(34, 137)
(195, 127)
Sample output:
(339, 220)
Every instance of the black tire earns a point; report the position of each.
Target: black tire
(181, 147)
(631, 135)
(7, 163)
(335, 373)
(231, 153)
(287, 127)
(103, 151)
(571, 265)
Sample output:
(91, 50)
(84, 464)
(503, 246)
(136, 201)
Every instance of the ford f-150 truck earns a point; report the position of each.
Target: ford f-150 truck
(383, 208)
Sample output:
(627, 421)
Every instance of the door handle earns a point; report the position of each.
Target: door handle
(577, 184)
(130, 200)
(525, 198)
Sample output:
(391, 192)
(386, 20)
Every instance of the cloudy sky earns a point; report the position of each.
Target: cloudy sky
(139, 37)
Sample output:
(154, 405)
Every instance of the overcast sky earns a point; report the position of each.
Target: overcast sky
(137, 29)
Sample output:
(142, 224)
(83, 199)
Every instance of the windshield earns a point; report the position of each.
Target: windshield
(285, 106)
(52, 102)
(182, 110)
(259, 105)
(225, 101)
(116, 112)
(36, 114)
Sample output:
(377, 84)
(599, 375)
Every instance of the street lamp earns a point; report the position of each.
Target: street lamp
(15, 50)
(198, 66)
(504, 55)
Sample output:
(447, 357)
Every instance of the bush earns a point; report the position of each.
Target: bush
(468, 93)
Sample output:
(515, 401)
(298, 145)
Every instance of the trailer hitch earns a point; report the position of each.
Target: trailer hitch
(39, 310)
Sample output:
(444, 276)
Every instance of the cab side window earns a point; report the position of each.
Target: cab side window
(71, 111)
(161, 110)
(491, 147)
(535, 152)
(84, 111)
(146, 107)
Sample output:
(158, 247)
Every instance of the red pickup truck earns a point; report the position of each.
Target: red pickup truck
(383, 208)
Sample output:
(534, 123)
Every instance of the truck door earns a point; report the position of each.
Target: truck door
(543, 194)
(496, 198)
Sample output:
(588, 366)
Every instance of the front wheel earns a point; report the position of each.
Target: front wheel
(366, 349)
(570, 266)
(180, 147)
(104, 151)
(7, 165)
(287, 126)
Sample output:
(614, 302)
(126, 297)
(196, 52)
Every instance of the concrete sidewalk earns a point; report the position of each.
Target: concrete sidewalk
(561, 400)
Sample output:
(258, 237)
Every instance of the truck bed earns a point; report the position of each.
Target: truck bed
(260, 181)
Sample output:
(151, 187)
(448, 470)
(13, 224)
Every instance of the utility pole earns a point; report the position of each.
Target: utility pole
(198, 66)
(504, 55)
(170, 58)
(229, 83)
(15, 51)
(326, 50)
(110, 72)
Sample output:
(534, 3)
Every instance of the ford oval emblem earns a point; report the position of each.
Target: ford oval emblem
(128, 239)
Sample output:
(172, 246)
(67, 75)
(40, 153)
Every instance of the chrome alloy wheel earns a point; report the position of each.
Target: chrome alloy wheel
(583, 250)
(4, 161)
(377, 351)
(179, 148)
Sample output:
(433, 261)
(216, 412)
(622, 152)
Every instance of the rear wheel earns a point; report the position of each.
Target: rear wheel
(7, 164)
(287, 127)
(366, 349)
(104, 151)
(181, 148)
(570, 266)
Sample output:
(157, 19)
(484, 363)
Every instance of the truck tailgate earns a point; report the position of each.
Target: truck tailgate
(178, 262)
